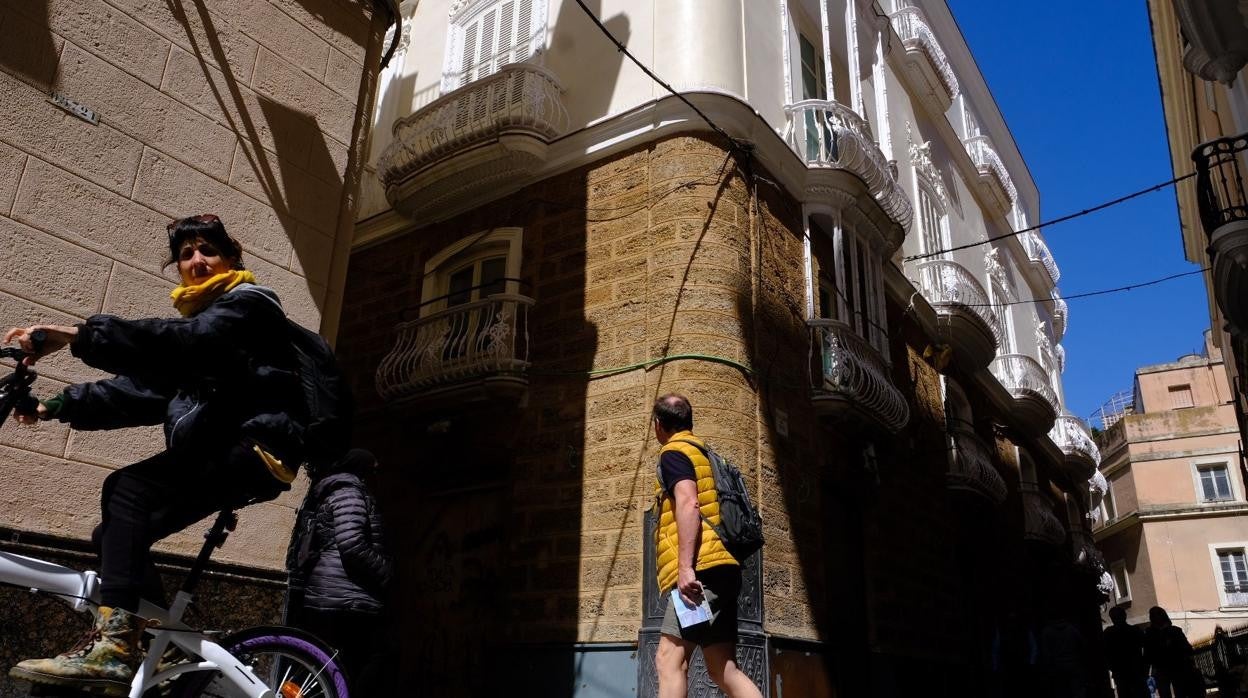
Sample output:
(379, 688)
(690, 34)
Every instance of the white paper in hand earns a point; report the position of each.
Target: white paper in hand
(688, 615)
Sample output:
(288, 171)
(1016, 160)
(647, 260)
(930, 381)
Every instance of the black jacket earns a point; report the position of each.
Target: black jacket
(224, 374)
(337, 557)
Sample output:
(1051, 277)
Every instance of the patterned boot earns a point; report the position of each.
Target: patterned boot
(103, 662)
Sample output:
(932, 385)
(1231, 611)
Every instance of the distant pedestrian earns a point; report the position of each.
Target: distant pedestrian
(693, 560)
(1169, 654)
(1124, 653)
(339, 567)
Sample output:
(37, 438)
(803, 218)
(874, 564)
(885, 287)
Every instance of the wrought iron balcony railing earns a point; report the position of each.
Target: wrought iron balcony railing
(1220, 182)
(911, 25)
(1039, 521)
(1038, 252)
(944, 281)
(992, 169)
(521, 98)
(1072, 436)
(853, 374)
(829, 134)
(971, 467)
(1023, 376)
(484, 339)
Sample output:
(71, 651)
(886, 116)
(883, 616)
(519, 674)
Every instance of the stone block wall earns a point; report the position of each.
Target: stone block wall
(255, 110)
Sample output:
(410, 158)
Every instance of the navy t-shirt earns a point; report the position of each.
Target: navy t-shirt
(675, 466)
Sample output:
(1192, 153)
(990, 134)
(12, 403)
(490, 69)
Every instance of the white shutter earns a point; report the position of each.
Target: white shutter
(469, 54)
(506, 34)
(485, 63)
(525, 30)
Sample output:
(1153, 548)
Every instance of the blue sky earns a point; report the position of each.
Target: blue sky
(1077, 84)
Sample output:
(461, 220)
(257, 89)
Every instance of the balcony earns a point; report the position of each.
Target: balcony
(831, 138)
(473, 142)
(1085, 554)
(994, 179)
(968, 323)
(1061, 314)
(1224, 216)
(926, 61)
(1040, 524)
(1217, 38)
(850, 380)
(1035, 402)
(1072, 436)
(1039, 254)
(478, 350)
(971, 468)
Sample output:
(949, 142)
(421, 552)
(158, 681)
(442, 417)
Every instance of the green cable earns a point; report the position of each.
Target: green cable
(647, 365)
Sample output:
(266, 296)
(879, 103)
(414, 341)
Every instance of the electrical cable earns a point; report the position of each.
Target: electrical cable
(1089, 294)
(734, 144)
(1055, 221)
(647, 365)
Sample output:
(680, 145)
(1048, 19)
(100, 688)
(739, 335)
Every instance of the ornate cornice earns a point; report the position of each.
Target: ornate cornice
(925, 168)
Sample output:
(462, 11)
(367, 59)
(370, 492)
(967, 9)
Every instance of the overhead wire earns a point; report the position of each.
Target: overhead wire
(1089, 294)
(1055, 221)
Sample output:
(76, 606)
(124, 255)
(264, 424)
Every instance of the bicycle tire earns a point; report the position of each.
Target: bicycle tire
(294, 644)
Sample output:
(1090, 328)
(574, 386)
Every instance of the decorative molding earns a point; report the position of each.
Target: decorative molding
(1043, 342)
(1217, 39)
(925, 168)
(996, 273)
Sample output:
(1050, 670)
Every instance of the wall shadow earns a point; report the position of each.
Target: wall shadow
(299, 178)
(28, 49)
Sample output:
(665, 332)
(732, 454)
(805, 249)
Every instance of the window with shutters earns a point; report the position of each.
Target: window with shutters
(487, 35)
(933, 224)
(1180, 396)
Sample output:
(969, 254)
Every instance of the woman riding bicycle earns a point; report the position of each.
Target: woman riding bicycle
(222, 380)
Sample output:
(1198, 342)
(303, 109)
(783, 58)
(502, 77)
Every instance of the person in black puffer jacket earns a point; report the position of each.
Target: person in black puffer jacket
(339, 566)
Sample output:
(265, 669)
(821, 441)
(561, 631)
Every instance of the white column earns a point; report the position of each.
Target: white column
(882, 129)
(851, 47)
(789, 95)
(808, 267)
(827, 50)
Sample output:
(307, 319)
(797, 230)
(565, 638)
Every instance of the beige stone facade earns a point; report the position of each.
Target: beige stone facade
(256, 111)
(1175, 507)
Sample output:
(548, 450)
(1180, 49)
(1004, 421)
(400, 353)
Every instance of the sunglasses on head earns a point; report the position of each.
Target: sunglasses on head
(201, 218)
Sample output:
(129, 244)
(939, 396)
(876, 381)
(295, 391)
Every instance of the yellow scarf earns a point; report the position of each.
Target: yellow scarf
(192, 299)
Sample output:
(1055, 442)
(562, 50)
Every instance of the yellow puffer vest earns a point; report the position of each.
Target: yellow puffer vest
(711, 552)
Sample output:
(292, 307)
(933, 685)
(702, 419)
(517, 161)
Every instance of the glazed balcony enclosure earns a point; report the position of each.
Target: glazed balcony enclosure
(1072, 436)
(994, 179)
(851, 380)
(1035, 402)
(1224, 216)
(472, 351)
(489, 134)
(967, 320)
(831, 138)
(926, 61)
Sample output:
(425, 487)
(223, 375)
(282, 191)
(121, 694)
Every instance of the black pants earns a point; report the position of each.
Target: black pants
(356, 637)
(154, 498)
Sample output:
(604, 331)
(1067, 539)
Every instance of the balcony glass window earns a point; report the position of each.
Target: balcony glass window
(1215, 483)
(932, 223)
(1005, 319)
(1234, 570)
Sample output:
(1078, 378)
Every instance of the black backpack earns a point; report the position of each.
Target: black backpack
(327, 433)
(740, 525)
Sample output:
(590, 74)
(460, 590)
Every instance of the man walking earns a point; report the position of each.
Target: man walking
(692, 559)
(1124, 653)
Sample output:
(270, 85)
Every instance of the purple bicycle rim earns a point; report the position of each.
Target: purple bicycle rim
(329, 670)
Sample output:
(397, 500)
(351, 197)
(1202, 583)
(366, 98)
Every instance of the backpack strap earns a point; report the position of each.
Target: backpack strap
(706, 453)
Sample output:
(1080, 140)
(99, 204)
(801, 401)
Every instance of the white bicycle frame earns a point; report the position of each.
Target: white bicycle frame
(81, 591)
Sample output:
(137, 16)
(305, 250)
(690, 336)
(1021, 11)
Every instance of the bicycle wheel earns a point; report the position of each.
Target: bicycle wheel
(292, 663)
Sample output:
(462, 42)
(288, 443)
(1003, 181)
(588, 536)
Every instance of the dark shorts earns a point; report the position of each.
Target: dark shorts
(722, 585)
